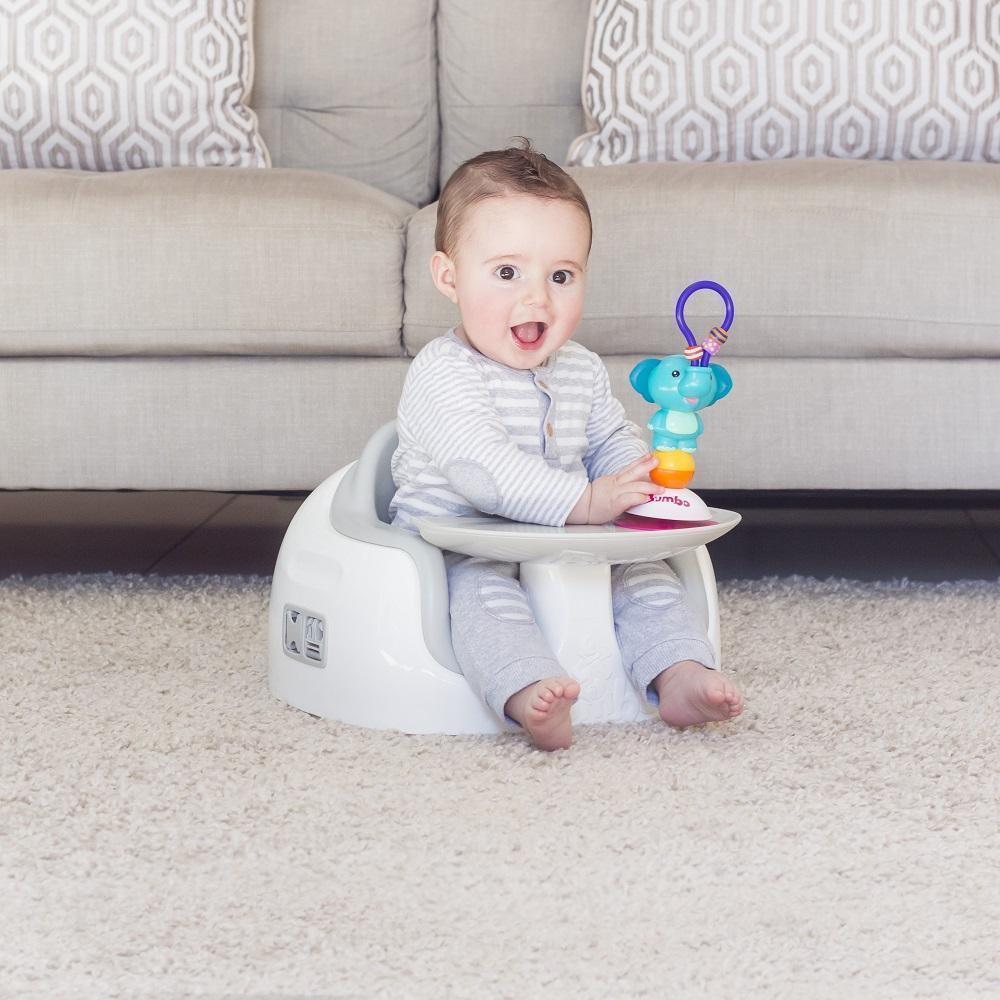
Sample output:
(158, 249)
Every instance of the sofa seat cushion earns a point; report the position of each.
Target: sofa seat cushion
(824, 258)
(199, 261)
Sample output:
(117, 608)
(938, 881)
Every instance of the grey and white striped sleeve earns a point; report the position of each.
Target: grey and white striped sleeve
(615, 441)
(447, 411)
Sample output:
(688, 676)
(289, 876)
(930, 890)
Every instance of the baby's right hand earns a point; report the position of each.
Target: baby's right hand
(613, 495)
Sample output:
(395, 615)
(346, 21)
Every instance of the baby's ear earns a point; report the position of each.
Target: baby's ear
(443, 273)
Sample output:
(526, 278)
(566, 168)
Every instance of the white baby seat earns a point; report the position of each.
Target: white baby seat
(359, 626)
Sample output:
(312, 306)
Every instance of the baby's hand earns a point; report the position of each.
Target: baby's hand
(610, 496)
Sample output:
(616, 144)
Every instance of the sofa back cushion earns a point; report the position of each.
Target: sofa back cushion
(351, 87)
(510, 67)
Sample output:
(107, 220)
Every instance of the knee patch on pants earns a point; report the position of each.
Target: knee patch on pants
(504, 599)
(653, 585)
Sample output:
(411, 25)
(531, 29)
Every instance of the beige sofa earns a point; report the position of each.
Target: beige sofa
(248, 330)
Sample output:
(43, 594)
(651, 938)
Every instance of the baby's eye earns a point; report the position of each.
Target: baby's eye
(506, 272)
(562, 277)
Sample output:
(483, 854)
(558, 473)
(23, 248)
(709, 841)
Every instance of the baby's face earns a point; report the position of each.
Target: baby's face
(518, 276)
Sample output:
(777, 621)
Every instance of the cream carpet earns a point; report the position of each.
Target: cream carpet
(169, 830)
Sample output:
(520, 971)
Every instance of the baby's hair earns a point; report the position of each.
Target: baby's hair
(517, 169)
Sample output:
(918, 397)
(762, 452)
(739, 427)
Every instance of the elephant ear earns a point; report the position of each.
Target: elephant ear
(723, 382)
(639, 377)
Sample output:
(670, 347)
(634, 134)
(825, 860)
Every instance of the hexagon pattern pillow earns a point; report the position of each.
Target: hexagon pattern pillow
(126, 84)
(767, 79)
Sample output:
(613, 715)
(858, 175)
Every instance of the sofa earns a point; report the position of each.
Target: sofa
(223, 329)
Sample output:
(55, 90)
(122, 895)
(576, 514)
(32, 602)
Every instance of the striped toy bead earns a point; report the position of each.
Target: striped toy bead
(714, 340)
(693, 353)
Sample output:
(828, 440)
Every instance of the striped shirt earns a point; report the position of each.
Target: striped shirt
(476, 436)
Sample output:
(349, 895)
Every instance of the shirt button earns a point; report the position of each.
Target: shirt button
(548, 428)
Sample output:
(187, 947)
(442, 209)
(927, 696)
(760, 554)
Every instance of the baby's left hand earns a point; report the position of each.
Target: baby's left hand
(611, 496)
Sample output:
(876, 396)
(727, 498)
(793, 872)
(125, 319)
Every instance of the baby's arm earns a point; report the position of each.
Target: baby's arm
(615, 442)
(446, 411)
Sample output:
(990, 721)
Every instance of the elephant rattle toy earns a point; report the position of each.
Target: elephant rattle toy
(681, 385)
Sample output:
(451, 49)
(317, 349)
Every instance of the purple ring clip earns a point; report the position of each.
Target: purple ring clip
(727, 323)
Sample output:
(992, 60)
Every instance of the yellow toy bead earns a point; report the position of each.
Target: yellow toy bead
(675, 469)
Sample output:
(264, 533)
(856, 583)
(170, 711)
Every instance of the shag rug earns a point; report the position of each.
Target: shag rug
(167, 829)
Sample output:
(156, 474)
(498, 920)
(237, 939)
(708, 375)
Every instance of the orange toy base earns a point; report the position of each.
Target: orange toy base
(675, 471)
(674, 479)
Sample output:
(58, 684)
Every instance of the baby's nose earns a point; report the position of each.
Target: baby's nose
(537, 294)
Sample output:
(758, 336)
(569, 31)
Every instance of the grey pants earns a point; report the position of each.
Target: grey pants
(501, 649)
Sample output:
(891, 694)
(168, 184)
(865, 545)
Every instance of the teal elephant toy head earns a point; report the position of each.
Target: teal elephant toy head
(673, 383)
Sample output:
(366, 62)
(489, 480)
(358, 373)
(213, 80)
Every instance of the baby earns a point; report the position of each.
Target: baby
(506, 415)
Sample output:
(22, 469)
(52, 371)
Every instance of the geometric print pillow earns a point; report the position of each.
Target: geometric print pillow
(704, 80)
(127, 84)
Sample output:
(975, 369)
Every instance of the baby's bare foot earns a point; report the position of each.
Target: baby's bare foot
(543, 709)
(690, 693)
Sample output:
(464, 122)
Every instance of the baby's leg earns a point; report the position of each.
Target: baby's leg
(503, 653)
(665, 649)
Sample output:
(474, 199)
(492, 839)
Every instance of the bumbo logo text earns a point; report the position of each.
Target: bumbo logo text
(671, 498)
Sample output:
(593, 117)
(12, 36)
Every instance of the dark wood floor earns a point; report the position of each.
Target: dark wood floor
(921, 537)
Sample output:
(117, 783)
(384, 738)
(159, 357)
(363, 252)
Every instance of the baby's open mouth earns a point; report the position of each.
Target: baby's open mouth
(528, 335)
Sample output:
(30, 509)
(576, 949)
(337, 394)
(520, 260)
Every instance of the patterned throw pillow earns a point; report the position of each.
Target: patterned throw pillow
(126, 84)
(770, 79)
